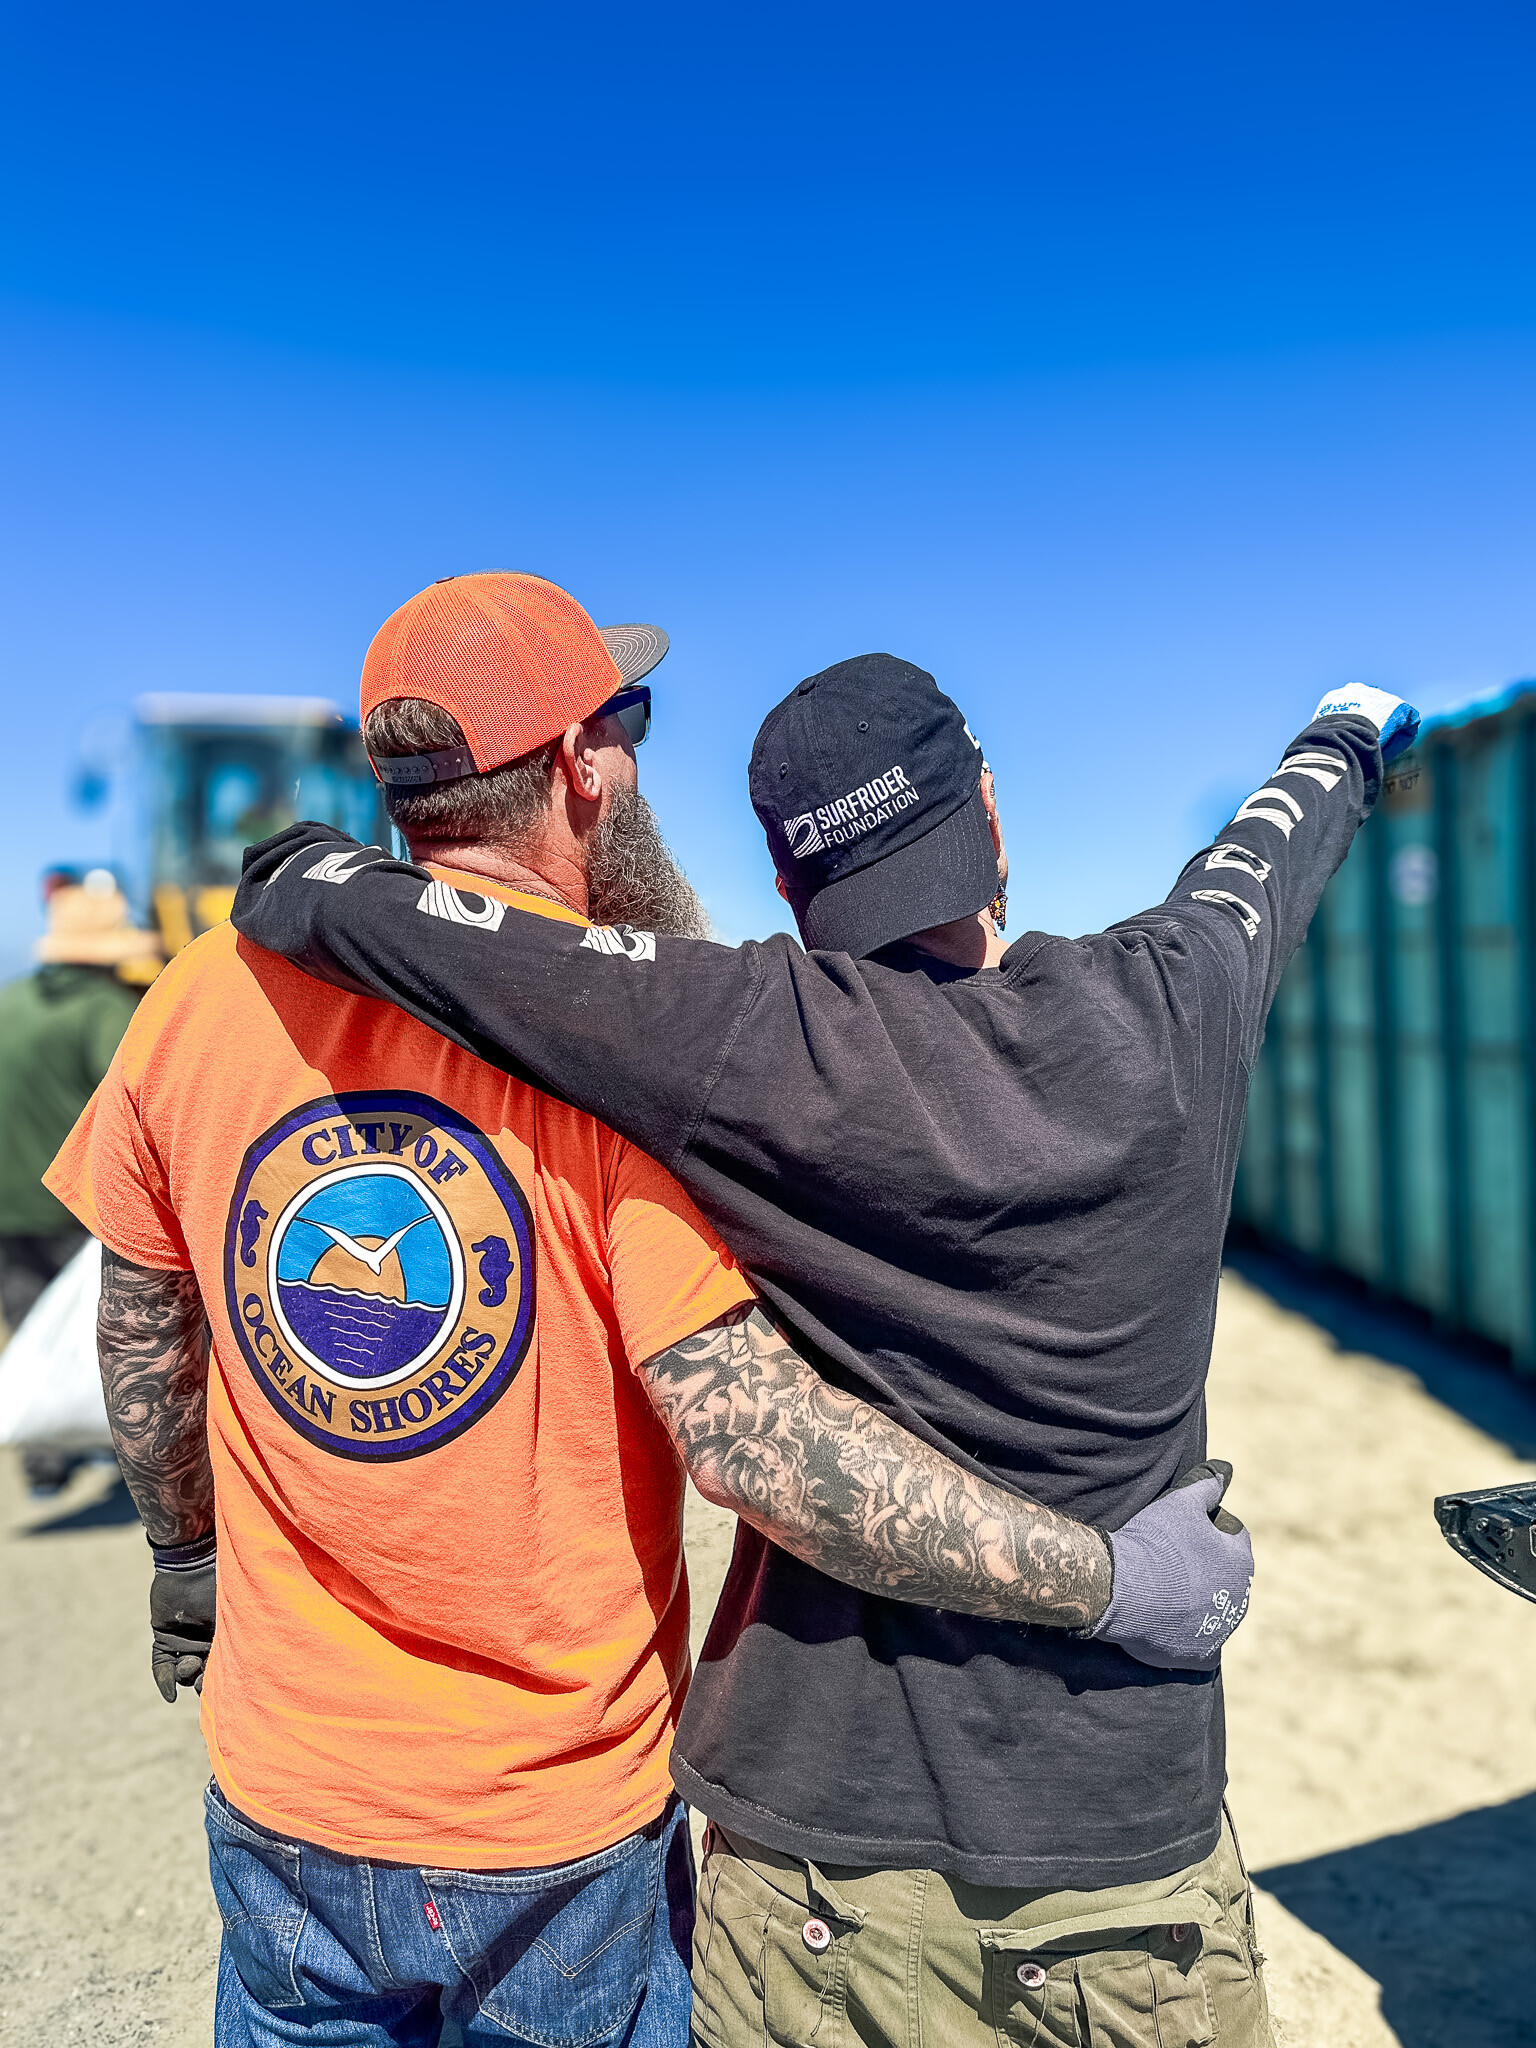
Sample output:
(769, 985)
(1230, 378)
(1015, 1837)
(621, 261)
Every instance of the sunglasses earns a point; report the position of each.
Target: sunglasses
(632, 708)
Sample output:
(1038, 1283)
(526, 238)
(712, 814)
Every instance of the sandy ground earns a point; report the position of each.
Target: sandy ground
(1382, 1714)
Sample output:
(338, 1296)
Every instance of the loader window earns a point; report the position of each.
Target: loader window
(215, 792)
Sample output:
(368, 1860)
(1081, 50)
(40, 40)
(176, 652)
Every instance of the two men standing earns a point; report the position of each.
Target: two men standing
(986, 1189)
(408, 1358)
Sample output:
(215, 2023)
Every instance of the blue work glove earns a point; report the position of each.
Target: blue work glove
(1183, 1567)
(1396, 723)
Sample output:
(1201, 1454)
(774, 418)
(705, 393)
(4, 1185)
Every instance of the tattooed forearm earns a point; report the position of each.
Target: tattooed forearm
(152, 1344)
(842, 1487)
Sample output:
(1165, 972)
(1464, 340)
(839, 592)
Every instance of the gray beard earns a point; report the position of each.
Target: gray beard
(633, 876)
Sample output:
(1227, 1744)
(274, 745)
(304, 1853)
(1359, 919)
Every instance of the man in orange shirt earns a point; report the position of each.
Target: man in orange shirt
(464, 1340)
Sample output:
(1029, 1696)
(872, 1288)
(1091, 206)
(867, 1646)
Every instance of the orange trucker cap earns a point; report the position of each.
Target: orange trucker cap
(513, 658)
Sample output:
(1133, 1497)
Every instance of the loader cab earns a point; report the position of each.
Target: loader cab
(218, 773)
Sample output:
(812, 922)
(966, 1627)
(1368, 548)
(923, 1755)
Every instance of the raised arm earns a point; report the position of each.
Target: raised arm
(1252, 894)
(845, 1489)
(152, 1345)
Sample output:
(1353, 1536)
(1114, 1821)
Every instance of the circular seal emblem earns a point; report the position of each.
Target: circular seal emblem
(379, 1273)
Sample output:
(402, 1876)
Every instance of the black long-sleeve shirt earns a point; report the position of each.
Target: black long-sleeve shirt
(992, 1204)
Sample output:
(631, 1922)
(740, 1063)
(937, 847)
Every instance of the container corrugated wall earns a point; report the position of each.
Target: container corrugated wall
(1392, 1115)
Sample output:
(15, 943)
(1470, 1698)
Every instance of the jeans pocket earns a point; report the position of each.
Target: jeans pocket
(559, 1958)
(258, 1885)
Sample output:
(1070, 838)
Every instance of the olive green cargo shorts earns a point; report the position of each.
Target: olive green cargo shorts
(814, 1957)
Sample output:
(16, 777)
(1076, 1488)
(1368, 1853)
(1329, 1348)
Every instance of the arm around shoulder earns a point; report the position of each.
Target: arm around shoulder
(843, 1488)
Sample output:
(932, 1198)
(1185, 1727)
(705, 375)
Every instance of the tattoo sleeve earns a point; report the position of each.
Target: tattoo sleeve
(152, 1345)
(840, 1486)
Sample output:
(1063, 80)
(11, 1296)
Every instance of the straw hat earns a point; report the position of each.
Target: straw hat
(88, 927)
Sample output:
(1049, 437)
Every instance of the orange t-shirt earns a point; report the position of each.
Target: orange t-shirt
(453, 1609)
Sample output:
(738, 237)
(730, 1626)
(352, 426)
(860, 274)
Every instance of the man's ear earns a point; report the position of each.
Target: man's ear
(579, 764)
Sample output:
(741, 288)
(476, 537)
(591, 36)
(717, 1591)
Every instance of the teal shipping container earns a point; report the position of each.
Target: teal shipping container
(1392, 1114)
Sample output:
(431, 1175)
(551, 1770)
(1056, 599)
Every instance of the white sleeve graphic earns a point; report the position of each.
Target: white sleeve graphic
(332, 867)
(1249, 916)
(440, 899)
(1228, 856)
(1274, 806)
(1327, 769)
(620, 941)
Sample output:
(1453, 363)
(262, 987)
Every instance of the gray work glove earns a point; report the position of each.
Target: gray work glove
(1182, 1568)
(183, 1605)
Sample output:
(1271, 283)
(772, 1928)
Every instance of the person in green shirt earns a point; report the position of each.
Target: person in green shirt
(59, 1027)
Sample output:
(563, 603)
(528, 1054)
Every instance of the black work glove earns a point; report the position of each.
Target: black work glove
(183, 1606)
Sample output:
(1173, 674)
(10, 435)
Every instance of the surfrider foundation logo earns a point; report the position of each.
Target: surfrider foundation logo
(379, 1271)
(803, 835)
(850, 816)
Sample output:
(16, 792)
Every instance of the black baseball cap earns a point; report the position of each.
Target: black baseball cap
(867, 781)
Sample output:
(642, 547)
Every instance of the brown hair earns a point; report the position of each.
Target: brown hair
(506, 803)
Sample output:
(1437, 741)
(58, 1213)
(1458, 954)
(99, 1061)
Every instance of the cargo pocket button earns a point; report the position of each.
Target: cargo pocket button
(816, 1935)
(1030, 1975)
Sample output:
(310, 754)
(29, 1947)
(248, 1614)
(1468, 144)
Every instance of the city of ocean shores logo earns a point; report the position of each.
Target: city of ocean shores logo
(379, 1273)
(849, 817)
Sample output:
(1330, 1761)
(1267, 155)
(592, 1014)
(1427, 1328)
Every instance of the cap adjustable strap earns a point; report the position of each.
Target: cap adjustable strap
(446, 766)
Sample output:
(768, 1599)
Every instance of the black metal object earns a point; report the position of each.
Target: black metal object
(1495, 1529)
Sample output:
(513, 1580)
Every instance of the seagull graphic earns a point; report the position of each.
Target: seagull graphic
(373, 1260)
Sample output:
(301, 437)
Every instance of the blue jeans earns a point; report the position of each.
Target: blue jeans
(323, 1949)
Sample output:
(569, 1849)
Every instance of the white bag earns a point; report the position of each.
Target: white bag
(50, 1387)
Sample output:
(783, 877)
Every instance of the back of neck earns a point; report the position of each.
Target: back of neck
(536, 870)
(968, 942)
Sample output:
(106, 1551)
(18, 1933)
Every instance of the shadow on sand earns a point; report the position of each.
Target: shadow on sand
(112, 1510)
(1474, 1380)
(1444, 1919)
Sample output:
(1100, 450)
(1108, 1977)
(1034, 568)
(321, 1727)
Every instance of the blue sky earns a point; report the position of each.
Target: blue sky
(1143, 373)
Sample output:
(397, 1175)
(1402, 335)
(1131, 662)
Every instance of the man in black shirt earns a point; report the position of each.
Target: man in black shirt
(986, 1190)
